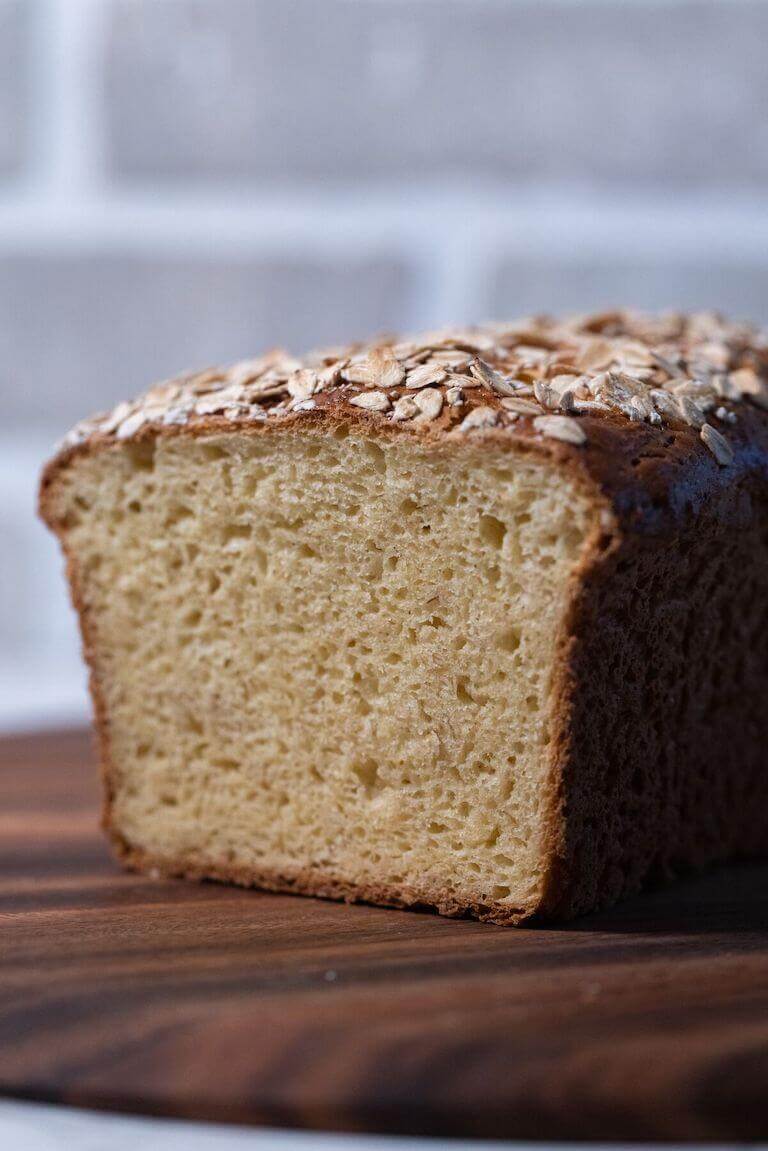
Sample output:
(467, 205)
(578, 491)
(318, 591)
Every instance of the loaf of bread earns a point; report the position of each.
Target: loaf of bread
(475, 621)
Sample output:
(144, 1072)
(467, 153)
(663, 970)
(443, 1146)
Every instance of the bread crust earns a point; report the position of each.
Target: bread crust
(650, 485)
(320, 884)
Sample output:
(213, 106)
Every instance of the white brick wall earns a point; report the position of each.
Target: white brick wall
(187, 181)
(15, 86)
(594, 91)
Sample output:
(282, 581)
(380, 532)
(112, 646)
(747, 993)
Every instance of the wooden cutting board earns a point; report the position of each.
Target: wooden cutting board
(650, 1022)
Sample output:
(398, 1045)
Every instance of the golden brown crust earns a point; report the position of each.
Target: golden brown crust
(655, 482)
(538, 376)
(321, 885)
(89, 650)
(657, 764)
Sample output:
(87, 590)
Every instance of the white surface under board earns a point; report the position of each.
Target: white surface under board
(42, 1127)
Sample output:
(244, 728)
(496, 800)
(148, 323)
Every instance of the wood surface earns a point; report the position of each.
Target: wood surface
(649, 1022)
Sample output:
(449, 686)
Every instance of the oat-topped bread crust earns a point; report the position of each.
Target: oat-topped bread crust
(625, 388)
(661, 421)
(663, 370)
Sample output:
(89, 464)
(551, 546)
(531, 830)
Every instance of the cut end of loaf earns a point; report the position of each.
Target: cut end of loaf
(327, 661)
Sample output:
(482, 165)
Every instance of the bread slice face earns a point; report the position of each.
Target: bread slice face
(329, 660)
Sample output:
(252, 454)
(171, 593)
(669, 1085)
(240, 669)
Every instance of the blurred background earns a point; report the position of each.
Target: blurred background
(185, 182)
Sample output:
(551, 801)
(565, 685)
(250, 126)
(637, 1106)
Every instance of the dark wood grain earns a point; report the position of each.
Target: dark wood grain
(650, 1022)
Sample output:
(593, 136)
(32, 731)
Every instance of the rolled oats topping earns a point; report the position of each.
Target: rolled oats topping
(425, 375)
(405, 408)
(538, 376)
(430, 404)
(561, 428)
(481, 417)
(717, 444)
(372, 401)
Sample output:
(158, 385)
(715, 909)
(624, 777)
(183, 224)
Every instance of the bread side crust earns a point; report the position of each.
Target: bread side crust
(696, 513)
